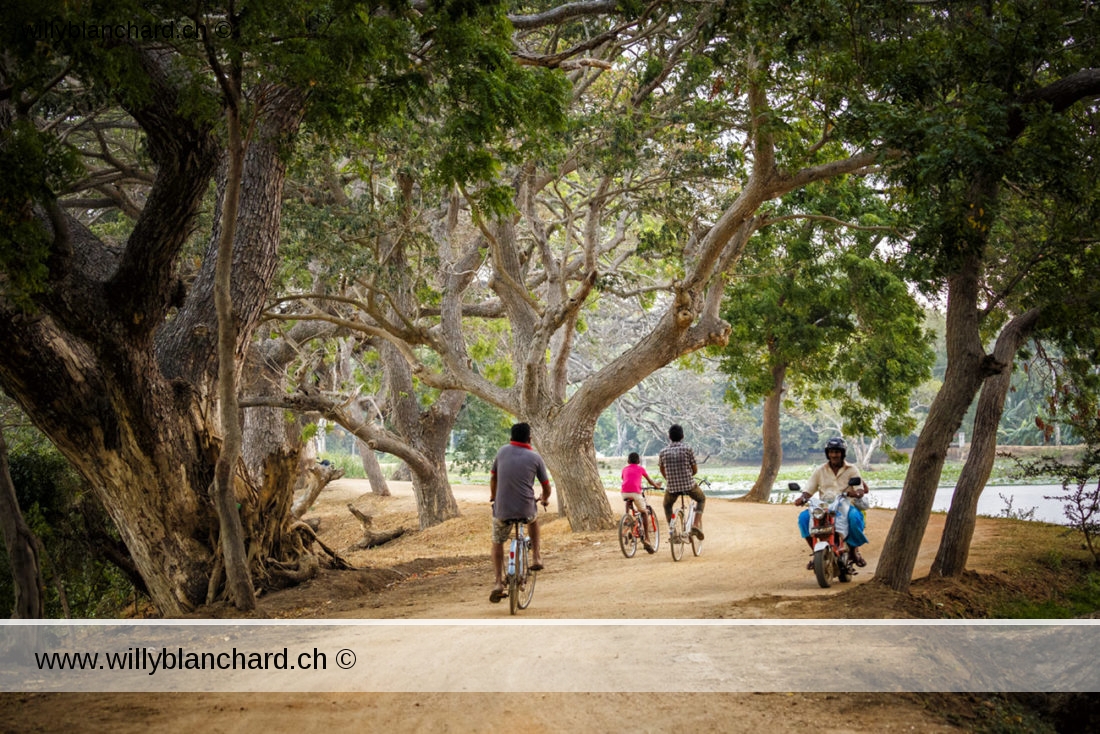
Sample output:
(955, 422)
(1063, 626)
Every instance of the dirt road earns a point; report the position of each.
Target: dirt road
(753, 565)
(751, 551)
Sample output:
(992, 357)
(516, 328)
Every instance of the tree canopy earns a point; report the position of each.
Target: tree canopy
(440, 194)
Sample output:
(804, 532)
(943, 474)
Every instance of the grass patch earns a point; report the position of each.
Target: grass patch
(989, 713)
(1077, 599)
(352, 465)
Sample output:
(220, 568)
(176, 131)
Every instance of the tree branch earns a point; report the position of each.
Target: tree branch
(562, 13)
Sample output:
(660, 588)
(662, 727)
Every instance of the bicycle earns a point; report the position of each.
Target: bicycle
(630, 529)
(519, 579)
(679, 530)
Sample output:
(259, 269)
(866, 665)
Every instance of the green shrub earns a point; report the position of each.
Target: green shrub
(71, 526)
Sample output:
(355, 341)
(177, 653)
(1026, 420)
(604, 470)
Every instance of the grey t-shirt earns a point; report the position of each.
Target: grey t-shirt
(517, 466)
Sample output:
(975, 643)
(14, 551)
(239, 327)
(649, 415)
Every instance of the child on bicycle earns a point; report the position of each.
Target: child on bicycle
(632, 475)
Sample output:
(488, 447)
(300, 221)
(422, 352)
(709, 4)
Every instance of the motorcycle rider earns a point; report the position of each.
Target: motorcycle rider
(831, 479)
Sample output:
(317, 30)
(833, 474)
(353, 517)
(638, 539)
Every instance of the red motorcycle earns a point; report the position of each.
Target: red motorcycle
(831, 558)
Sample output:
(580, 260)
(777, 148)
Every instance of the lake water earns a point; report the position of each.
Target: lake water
(1024, 497)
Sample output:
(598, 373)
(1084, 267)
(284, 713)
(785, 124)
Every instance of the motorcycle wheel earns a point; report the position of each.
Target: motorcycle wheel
(628, 541)
(822, 567)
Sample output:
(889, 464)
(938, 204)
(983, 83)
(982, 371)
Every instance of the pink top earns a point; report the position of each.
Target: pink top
(632, 478)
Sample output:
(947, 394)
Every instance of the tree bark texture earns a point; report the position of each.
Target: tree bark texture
(772, 440)
(124, 392)
(967, 367)
(954, 548)
(569, 451)
(238, 581)
(272, 447)
(21, 545)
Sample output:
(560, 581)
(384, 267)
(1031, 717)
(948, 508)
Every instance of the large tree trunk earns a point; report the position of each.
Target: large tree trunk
(435, 502)
(272, 444)
(123, 429)
(20, 542)
(967, 367)
(958, 529)
(373, 469)
(569, 451)
(772, 440)
(120, 388)
(426, 432)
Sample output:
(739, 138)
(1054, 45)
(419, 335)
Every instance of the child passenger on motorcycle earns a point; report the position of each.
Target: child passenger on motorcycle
(831, 480)
(633, 474)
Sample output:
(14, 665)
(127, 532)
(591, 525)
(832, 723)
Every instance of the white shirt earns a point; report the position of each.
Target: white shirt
(829, 484)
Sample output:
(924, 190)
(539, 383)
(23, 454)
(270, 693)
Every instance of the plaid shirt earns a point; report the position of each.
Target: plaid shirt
(675, 461)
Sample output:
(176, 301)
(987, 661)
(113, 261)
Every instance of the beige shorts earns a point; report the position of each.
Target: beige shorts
(502, 529)
(637, 498)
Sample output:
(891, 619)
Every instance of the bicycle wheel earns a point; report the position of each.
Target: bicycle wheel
(628, 541)
(654, 529)
(696, 545)
(526, 582)
(676, 536)
(513, 579)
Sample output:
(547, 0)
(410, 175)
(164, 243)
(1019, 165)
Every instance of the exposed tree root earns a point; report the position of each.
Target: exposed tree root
(338, 562)
(370, 538)
(305, 569)
(318, 477)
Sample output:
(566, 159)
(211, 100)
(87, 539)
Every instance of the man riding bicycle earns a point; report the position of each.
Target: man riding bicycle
(512, 493)
(677, 464)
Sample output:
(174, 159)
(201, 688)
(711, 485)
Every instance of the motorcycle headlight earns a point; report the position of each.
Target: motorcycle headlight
(818, 513)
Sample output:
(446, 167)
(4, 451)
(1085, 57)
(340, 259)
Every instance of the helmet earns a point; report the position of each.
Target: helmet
(836, 444)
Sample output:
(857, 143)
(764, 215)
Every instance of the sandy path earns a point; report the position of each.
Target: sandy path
(750, 550)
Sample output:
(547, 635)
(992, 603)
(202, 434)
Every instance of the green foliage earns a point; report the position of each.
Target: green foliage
(34, 164)
(70, 525)
(954, 100)
(44, 481)
(479, 432)
(814, 301)
(442, 79)
(351, 464)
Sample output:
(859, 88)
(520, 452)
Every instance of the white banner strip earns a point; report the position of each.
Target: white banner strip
(553, 656)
